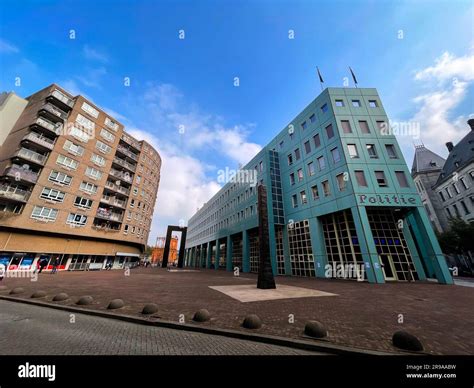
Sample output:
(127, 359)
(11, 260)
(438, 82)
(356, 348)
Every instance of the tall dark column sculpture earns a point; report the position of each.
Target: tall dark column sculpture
(265, 273)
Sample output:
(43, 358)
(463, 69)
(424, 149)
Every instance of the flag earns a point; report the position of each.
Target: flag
(319, 75)
(353, 76)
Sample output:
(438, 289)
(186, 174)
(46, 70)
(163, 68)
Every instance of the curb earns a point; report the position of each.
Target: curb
(325, 347)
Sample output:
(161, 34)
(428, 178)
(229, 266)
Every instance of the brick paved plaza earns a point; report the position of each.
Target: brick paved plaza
(359, 315)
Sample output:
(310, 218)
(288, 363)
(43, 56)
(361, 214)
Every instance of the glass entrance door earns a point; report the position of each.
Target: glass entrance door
(388, 267)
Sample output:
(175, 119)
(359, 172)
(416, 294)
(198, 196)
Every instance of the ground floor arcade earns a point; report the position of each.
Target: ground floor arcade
(371, 244)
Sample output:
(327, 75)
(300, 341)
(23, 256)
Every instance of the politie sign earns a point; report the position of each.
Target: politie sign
(388, 200)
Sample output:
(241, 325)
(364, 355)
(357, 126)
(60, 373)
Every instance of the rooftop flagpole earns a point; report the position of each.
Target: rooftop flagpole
(353, 76)
(321, 81)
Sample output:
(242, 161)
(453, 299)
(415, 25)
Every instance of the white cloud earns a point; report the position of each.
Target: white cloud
(8, 48)
(94, 55)
(92, 77)
(448, 82)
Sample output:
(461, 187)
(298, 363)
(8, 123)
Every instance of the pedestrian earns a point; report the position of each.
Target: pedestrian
(42, 263)
(55, 266)
(2, 272)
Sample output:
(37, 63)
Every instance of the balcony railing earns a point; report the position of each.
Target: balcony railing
(54, 111)
(65, 100)
(117, 188)
(108, 215)
(46, 124)
(129, 140)
(121, 175)
(21, 174)
(13, 192)
(125, 164)
(31, 156)
(113, 201)
(39, 139)
(126, 151)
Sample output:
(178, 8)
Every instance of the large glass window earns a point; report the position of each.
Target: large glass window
(67, 162)
(346, 126)
(371, 151)
(90, 109)
(73, 148)
(402, 179)
(76, 219)
(52, 194)
(360, 177)
(60, 177)
(44, 213)
(321, 163)
(329, 131)
(352, 149)
(381, 180)
(336, 157)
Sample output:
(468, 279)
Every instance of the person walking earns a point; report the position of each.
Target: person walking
(42, 263)
(55, 266)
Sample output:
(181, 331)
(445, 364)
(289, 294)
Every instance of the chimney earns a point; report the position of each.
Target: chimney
(449, 146)
(470, 122)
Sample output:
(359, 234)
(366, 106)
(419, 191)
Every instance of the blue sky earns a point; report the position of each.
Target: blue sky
(424, 78)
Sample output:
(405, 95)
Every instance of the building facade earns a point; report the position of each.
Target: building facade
(341, 201)
(425, 171)
(74, 186)
(454, 187)
(158, 250)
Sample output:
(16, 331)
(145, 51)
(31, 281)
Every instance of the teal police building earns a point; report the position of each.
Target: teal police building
(341, 202)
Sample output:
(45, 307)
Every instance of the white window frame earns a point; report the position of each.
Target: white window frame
(98, 160)
(79, 151)
(102, 147)
(93, 173)
(72, 165)
(84, 187)
(79, 134)
(85, 122)
(47, 216)
(60, 182)
(107, 135)
(59, 197)
(82, 222)
(80, 205)
(111, 124)
(90, 109)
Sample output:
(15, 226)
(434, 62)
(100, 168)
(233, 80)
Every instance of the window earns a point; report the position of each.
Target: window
(324, 108)
(69, 163)
(336, 157)
(292, 178)
(311, 170)
(372, 151)
(52, 195)
(464, 207)
(456, 188)
(300, 174)
(102, 147)
(93, 173)
(85, 122)
(380, 176)
(98, 160)
(76, 219)
(340, 103)
(456, 210)
(315, 192)
(448, 192)
(82, 202)
(79, 134)
(360, 177)
(282, 143)
(317, 140)
(125, 229)
(352, 149)
(111, 124)
(382, 126)
(89, 109)
(44, 213)
(449, 212)
(392, 153)
(442, 196)
(107, 135)
(304, 125)
(341, 182)
(73, 148)
(261, 166)
(356, 103)
(312, 118)
(373, 104)
(364, 126)
(329, 131)
(132, 203)
(321, 163)
(297, 154)
(290, 159)
(303, 197)
(138, 179)
(463, 182)
(346, 126)
(326, 189)
(307, 147)
(135, 191)
(402, 179)
(88, 187)
(294, 200)
(60, 177)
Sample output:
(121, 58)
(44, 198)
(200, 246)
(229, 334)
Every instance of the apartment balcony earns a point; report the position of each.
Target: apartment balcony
(105, 226)
(39, 139)
(125, 164)
(125, 151)
(113, 201)
(121, 175)
(106, 214)
(117, 188)
(13, 193)
(60, 100)
(31, 156)
(52, 113)
(131, 141)
(51, 127)
(21, 174)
